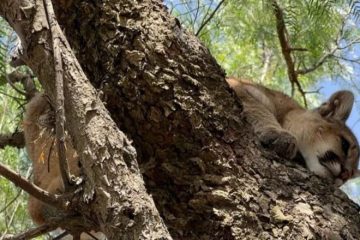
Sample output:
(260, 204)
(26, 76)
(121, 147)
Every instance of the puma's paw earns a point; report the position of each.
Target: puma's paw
(280, 141)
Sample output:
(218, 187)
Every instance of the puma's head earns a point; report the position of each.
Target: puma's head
(327, 145)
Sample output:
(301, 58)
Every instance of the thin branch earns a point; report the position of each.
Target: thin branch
(28, 174)
(23, 183)
(13, 86)
(331, 53)
(317, 91)
(209, 18)
(351, 43)
(59, 84)
(10, 222)
(318, 64)
(15, 139)
(286, 50)
(38, 231)
(192, 10)
(357, 61)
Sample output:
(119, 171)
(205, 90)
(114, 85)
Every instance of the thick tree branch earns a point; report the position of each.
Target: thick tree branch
(59, 83)
(286, 49)
(350, 60)
(21, 92)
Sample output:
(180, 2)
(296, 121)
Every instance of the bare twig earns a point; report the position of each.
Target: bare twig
(317, 91)
(11, 202)
(59, 83)
(13, 97)
(38, 231)
(357, 61)
(209, 18)
(76, 236)
(28, 174)
(197, 11)
(351, 43)
(15, 139)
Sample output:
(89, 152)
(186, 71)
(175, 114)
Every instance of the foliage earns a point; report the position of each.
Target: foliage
(13, 207)
(242, 37)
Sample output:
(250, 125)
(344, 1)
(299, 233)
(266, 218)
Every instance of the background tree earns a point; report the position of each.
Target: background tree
(13, 207)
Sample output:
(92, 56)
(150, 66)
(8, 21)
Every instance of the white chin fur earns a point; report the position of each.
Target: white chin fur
(314, 165)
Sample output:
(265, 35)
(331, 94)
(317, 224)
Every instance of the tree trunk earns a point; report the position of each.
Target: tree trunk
(203, 166)
(114, 199)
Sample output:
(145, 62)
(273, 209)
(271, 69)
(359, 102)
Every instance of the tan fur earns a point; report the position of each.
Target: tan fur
(327, 145)
(41, 148)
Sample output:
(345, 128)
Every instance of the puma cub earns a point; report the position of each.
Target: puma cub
(39, 127)
(328, 146)
(41, 147)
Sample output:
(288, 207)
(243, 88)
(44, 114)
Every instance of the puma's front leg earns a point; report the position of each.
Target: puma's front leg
(268, 129)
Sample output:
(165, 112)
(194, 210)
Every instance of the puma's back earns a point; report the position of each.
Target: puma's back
(327, 145)
(42, 150)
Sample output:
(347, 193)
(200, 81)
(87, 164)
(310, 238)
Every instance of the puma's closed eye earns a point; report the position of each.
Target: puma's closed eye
(345, 145)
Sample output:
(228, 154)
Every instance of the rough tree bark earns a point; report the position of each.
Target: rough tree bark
(114, 189)
(201, 163)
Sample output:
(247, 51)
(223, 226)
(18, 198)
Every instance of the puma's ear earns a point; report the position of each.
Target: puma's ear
(338, 106)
